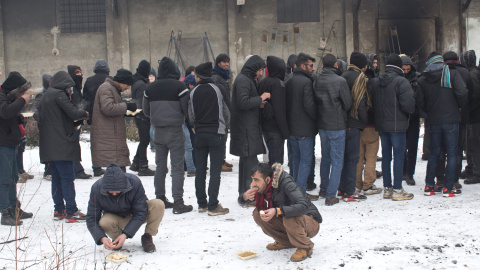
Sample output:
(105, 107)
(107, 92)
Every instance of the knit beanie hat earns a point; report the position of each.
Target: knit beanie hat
(15, 85)
(153, 72)
(144, 68)
(394, 60)
(114, 179)
(190, 79)
(124, 76)
(204, 71)
(358, 59)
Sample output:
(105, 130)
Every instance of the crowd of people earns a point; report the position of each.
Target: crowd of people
(351, 107)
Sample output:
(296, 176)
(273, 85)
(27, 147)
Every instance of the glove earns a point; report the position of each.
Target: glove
(131, 107)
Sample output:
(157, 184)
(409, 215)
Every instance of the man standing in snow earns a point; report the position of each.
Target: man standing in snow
(118, 207)
(283, 210)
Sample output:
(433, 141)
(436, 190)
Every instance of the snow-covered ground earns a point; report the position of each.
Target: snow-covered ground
(423, 233)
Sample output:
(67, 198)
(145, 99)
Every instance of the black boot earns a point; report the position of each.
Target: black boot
(167, 203)
(135, 166)
(409, 179)
(8, 220)
(144, 170)
(179, 207)
(21, 214)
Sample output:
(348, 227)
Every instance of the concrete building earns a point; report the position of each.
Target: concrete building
(38, 37)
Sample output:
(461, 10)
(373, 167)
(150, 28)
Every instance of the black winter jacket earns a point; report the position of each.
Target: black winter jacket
(301, 106)
(90, 90)
(393, 100)
(131, 202)
(10, 134)
(333, 99)
(138, 90)
(474, 100)
(467, 79)
(58, 136)
(289, 197)
(441, 104)
(274, 117)
(351, 76)
(246, 133)
(218, 79)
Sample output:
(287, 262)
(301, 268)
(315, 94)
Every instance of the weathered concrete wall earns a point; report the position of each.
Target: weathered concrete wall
(473, 27)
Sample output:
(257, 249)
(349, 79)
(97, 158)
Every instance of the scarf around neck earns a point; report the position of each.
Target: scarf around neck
(222, 72)
(445, 81)
(264, 201)
(359, 89)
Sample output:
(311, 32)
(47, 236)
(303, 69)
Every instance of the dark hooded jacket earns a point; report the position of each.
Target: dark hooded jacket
(393, 100)
(467, 79)
(351, 76)
(138, 90)
(92, 83)
(441, 104)
(274, 118)
(246, 132)
(301, 106)
(469, 60)
(77, 88)
(333, 100)
(132, 201)
(38, 98)
(370, 58)
(289, 197)
(412, 78)
(57, 126)
(10, 134)
(165, 100)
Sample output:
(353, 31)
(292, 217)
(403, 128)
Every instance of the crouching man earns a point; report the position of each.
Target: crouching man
(283, 210)
(118, 207)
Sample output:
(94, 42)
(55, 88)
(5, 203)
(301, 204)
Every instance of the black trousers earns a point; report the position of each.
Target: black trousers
(143, 126)
(245, 167)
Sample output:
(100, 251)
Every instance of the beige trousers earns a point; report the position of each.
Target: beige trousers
(369, 144)
(113, 224)
(292, 231)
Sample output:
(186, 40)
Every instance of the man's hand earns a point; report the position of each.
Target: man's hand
(269, 214)
(263, 104)
(107, 243)
(120, 240)
(265, 96)
(25, 96)
(249, 195)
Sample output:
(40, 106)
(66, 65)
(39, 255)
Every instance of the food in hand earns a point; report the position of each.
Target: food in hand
(262, 212)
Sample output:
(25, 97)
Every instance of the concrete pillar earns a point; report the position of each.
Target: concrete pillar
(349, 27)
(239, 33)
(2, 48)
(118, 40)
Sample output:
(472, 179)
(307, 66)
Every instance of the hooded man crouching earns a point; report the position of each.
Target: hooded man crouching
(118, 207)
(283, 210)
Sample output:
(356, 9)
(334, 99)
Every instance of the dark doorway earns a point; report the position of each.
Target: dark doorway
(414, 37)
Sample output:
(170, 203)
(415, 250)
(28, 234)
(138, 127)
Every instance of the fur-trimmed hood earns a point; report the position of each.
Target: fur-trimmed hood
(15, 85)
(277, 172)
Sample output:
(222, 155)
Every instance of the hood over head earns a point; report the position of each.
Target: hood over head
(370, 58)
(101, 66)
(167, 69)
(276, 67)
(114, 179)
(468, 59)
(61, 80)
(253, 64)
(72, 70)
(46, 80)
(144, 68)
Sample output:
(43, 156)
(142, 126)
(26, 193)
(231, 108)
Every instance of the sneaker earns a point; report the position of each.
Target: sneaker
(99, 172)
(147, 243)
(301, 254)
(77, 217)
(472, 180)
(47, 177)
(372, 190)
(218, 211)
(387, 193)
(82, 175)
(322, 193)
(191, 174)
(355, 197)
(278, 246)
(226, 168)
(409, 179)
(341, 194)
(464, 174)
(312, 197)
(134, 167)
(331, 201)
(59, 215)
(379, 174)
(227, 164)
(311, 186)
(167, 203)
(429, 190)
(401, 195)
(179, 207)
(451, 192)
(202, 209)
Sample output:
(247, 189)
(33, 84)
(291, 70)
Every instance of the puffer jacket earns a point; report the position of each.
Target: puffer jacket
(441, 104)
(465, 74)
(289, 197)
(301, 107)
(246, 133)
(57, 126)
(351, 76)
(131, 202)
(108, 136)
(393, 100)
(165, 100)
(333, 100)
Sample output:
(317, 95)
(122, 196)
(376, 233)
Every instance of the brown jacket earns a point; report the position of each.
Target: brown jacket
(108, 134)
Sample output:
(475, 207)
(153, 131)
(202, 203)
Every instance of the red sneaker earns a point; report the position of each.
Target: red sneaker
(76, 217)
(59, 215)
(429, 191)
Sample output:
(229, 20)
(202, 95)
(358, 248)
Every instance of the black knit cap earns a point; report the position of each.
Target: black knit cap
(144, 68)
(204, 71)
(15, 85)
(358, 59)
(114, 179)
(394, 60)
(124, 76)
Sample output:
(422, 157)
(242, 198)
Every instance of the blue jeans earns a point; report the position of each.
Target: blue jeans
(449, 133)
(333, 149)
(63, 188)
(350, 161)
(188, 149)
(302, 153)
(275, 144)
(8, 177)
(396, 141)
